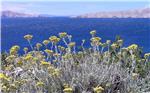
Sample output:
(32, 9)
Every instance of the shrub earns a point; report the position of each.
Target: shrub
(62, 69)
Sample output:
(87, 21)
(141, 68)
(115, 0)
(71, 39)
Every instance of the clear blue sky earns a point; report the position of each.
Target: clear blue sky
(71, 7)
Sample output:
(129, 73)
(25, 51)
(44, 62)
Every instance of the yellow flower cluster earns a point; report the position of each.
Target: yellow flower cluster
(62, 34)
(28, 57)
(43, 63)
(10, 58)
(8, 68)
(28, 37)
(48, 51)
(93, 32)
(132, 47)
(147, 55)
(95, 41)
(20, 63)
(54, 39)
(71, 44)
(56, 63)
(40, 84)
(67, 89)
(3, 77)
(25, 49)
(98, 89)
(114, 46)
(56, 72)
(14, 49)
(46, 42)
(61, 48)
(38, 45)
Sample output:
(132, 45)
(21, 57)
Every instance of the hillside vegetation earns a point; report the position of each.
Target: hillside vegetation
(105, 67)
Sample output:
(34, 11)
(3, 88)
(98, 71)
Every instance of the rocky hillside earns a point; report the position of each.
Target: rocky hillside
(137, 13)
(11, 14)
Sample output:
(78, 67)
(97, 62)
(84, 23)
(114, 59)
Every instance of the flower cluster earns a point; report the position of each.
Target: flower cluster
(54, 39)
(105, 67)
(28, 37)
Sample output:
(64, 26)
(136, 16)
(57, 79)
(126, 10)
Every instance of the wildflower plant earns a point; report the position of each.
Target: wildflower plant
(62, 69)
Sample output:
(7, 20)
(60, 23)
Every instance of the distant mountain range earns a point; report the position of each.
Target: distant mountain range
(11, 14)
(137, 13)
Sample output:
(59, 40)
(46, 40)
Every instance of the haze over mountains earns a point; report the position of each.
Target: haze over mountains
(11, 14)
(136, 13)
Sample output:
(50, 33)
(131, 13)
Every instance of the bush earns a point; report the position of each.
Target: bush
(62, 69)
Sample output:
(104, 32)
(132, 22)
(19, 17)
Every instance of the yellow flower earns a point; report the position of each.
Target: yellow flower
(71, 44)
(68, 90)
(51, 69)
(35, 59)
(54, 39)
(95, 39)
(20, 63)
(46, 42)
(43, 63)
(48, 51)
(3, 76)
(147, 55)
(8, 68)
(98, 89)
(10, 58)
(38, 45)
(28, 57)
(62, 34)
(25, 49)
(13, 52)
(40, 84)
(114, 46)
(93, 32)
(14, 49)
(133, 47)
(62, 48)
(56, 72)
(143, 60)
(120, 41)
(66, 85)
(28, 37)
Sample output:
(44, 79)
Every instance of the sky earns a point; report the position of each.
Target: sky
(71, 7)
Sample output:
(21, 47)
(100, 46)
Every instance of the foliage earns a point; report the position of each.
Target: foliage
(103, 68)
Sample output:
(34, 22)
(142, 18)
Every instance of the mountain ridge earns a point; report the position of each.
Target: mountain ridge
(12, 14)
(136, 13)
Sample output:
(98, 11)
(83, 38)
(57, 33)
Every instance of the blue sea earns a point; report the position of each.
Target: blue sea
(131, 30)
